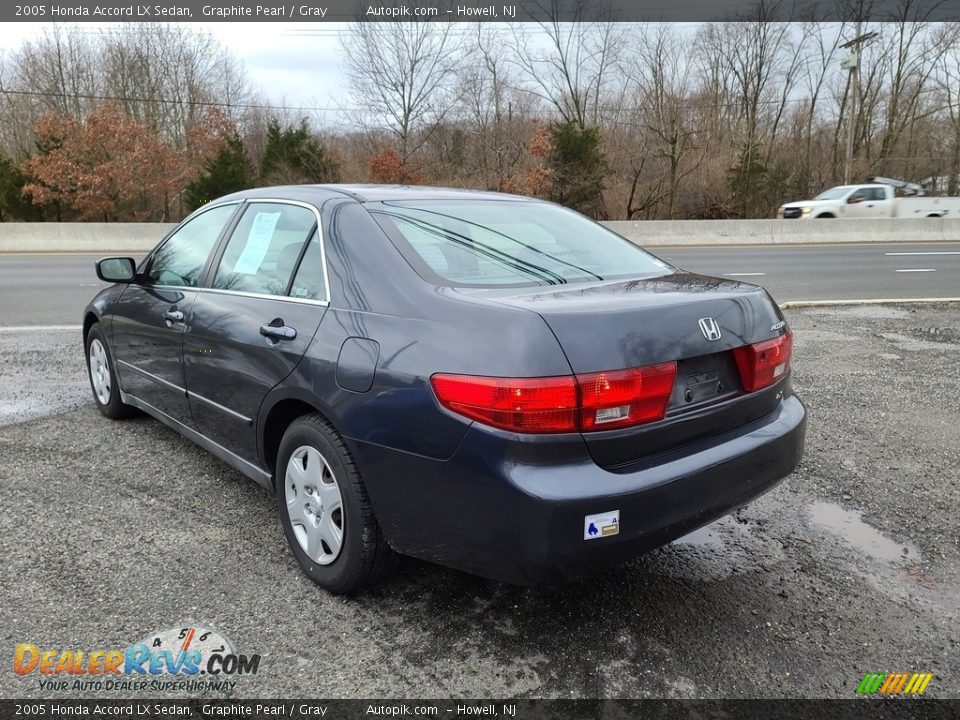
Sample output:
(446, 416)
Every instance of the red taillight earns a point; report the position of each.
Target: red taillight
(591, 401)
(764, 363)
(619, 398)
(527, 405)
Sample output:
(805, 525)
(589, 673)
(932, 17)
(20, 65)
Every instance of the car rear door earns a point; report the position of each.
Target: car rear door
(148, 320)
(873, 205)
(248, 328)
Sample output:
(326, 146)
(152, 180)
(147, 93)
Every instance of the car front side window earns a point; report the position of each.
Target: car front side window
(180, 260)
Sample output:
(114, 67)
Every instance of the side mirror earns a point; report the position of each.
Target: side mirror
(854, 199)
(116, 269)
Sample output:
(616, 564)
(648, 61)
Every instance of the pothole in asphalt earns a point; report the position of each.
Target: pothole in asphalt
(705, 537)
(717, 551)
(726, 532)
(848, 525)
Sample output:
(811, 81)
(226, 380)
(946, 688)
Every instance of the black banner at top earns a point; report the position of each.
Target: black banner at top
(322, 11)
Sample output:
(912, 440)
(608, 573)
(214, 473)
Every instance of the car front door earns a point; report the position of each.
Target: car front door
(249, 328)
(148, 321)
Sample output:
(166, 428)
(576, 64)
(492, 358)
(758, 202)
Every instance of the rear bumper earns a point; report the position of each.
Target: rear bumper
(515, 512)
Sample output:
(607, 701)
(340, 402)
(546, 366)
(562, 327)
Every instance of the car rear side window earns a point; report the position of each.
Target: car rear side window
(264, 248)
(487, 243)
(310, 282)
(180, 260)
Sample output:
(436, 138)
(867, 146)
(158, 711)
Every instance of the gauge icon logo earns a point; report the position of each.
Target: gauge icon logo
(189, 649)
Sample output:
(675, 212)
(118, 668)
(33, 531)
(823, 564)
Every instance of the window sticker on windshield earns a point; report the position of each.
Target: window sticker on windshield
(258, 241)
(601, 525)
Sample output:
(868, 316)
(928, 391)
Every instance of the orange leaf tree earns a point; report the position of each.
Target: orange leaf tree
(536, 179)
(388, 167)
(109, 166)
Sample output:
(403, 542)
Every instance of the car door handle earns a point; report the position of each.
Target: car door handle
(278, 331)
(173, 316)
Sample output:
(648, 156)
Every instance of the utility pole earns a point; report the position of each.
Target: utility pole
(853, 64)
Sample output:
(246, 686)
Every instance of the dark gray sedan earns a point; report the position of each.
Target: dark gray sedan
(485, 381)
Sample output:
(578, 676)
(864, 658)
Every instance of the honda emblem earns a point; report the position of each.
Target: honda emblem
(710, 328)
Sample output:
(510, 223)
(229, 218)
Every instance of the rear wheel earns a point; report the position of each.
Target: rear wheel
(325, 511)
(103, 376)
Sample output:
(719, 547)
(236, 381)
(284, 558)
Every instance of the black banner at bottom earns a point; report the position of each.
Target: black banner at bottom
(113, 709)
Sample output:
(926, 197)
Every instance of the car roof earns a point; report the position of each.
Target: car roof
(370, 193)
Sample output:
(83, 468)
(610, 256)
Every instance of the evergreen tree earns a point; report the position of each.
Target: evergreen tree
(747, 181)
(226, 172)
(577, 168)
(292, 155)
(13, 205)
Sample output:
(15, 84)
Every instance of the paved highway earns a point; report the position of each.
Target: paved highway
(53, 289)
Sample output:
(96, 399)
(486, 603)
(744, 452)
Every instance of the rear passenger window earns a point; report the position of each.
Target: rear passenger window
(310, 283)
(263, 249)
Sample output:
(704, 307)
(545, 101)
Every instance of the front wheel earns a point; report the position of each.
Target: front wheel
(325, 511)
(103, 376)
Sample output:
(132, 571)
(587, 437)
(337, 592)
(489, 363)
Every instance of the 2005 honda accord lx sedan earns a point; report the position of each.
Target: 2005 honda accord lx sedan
(489, 382)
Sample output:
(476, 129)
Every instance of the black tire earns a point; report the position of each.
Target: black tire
(824, 216)
(114, 408)
(364, 556)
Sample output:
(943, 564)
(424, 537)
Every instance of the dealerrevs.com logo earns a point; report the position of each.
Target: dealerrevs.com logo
(188, 658)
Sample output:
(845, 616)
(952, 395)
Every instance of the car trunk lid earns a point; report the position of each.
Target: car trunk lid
(691, 319)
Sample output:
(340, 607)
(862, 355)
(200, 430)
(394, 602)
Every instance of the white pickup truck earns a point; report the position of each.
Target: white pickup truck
(869, 201)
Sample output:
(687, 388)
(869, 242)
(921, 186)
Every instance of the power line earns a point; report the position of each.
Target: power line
(169, 101)
(733, 104)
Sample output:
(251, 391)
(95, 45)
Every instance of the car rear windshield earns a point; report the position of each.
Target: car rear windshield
(483, 243)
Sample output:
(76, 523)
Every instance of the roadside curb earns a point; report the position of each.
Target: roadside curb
(791, 304)
(40, 328)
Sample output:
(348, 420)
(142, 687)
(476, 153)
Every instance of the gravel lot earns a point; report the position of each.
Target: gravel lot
(111, 530)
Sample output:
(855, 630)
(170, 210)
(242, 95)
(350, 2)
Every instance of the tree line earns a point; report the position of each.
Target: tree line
(619, 120)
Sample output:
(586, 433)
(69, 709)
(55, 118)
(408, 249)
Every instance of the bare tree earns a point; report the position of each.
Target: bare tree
(576, 72)
(57, 72)
(949, 80)
(663, 84)
(819, 64)
(912, 55)
(403, 76)
(497, 113)
(759, 64)
(168, 76)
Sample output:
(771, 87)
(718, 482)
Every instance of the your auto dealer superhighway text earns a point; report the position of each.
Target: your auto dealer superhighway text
(177, 11)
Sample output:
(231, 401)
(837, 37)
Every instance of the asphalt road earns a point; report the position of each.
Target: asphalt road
(53, 289)
(112, 530)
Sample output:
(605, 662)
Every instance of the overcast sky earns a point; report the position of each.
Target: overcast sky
(291, 63)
